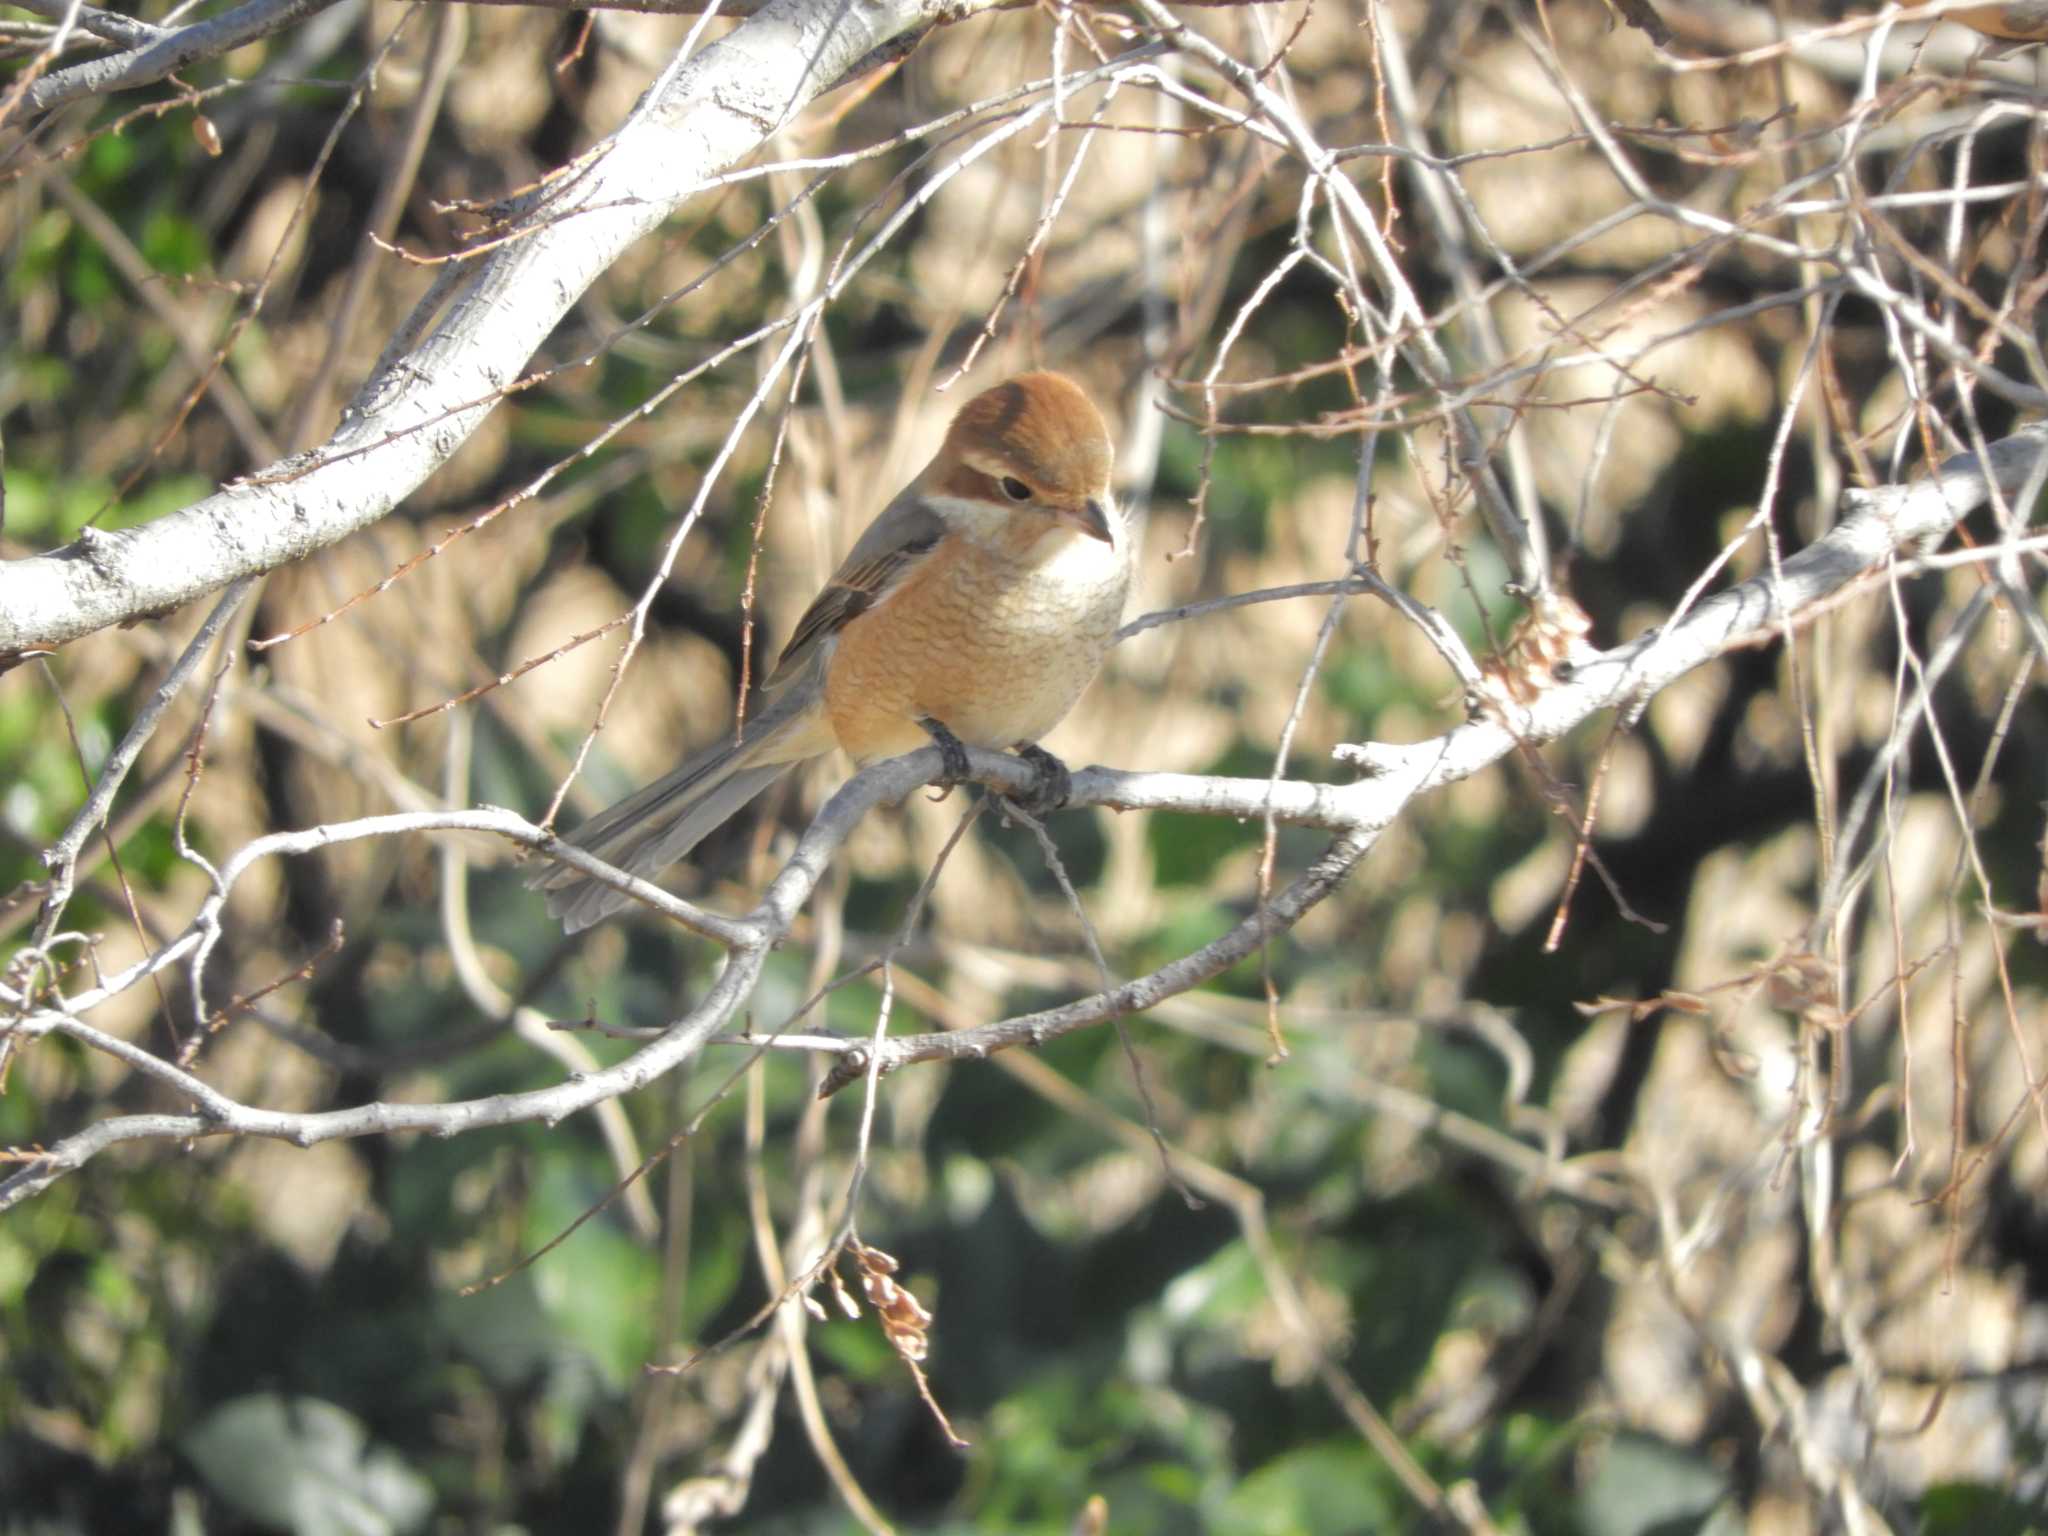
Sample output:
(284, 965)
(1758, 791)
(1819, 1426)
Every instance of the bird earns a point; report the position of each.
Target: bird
(974, 611)
(2019, 21)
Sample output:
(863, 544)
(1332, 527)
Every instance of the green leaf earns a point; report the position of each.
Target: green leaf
(1975, 1510)
(173, 243)
(502, 1329)
(600, 1288)
(303, 1465)
(1333, 1487)
(108, 157)
(1644, 1485)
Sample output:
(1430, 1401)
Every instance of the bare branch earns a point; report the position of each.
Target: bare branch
(127, 31)
(62, 857)
(161, 55)
(442, 378)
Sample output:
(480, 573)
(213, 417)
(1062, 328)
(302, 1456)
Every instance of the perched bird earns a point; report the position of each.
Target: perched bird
(974, 610)
(2020, 21)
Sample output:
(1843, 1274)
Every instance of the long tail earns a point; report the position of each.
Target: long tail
(649, 830)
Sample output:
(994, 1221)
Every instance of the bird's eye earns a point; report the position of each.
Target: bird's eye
(1016, 489)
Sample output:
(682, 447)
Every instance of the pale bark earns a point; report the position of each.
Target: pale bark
(472, 334)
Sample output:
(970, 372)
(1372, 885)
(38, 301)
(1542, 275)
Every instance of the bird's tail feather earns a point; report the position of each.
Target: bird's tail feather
(649, 830)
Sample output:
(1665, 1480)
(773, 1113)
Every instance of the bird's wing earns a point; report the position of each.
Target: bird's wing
(876, 566)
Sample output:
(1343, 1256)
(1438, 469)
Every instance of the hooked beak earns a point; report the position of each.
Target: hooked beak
(1092, 518)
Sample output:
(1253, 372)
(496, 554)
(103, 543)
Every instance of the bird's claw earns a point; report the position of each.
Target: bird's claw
(1055, 783)
(953, 764)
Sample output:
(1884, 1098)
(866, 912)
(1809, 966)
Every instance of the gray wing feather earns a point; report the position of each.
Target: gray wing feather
(652, 828)
(900, 536)
(580, 901)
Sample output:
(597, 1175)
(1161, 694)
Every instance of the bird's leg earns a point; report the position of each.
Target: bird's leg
(1054, 784)
(953, 767)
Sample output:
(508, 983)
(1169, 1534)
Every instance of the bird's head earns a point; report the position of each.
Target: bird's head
(1034, 443)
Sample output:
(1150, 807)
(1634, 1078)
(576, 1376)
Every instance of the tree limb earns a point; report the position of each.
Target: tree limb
(158, 56)
(472, 335)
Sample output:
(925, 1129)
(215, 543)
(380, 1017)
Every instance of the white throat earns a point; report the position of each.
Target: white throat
(993, 527)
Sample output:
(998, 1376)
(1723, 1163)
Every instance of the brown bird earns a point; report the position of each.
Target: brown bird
(974, 610)
(2023, 21)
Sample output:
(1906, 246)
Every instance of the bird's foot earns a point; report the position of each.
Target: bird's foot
(1055, 784)
(953, 765)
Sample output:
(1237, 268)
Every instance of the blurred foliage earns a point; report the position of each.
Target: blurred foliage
(256, 1338)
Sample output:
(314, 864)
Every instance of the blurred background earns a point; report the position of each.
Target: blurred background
(1703, 1190)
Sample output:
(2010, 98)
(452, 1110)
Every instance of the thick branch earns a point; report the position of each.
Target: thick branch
(160, 55)
(426, 398)
(111, 25)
